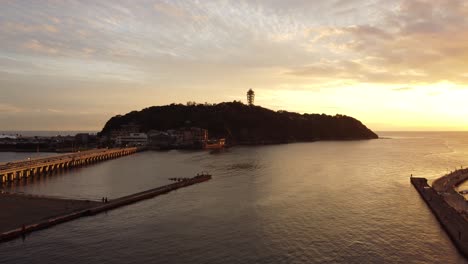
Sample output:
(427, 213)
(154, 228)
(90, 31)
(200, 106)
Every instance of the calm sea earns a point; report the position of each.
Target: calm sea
(44, 133)
(321, 202)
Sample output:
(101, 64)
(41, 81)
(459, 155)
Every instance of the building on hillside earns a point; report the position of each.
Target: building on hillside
(123, 131)
(183, 138)
(133, 139)
(82, 138)
(86, 140)
(191, 137)
(3, 136)
(161, 139)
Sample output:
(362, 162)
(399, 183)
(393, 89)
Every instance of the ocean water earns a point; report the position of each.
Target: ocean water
(43, 133)
(16, 156)
(320, 202)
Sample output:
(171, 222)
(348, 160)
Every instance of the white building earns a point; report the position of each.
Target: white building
(3, 136)
(134, 139)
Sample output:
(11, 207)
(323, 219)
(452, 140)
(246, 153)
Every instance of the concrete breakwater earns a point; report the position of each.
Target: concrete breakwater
(13, 171)
(449, 181)
(102, 207)
(454, 222)
(447, 184)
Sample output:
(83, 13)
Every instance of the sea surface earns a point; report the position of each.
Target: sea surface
(43, 133)
(18, 156)
(320, 202)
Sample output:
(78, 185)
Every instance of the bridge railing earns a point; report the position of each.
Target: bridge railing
(25, 167)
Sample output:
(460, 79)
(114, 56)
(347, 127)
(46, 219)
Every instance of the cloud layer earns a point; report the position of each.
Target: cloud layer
(418, 42)
(92, 59)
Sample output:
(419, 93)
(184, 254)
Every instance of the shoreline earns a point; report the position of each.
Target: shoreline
(244, 143)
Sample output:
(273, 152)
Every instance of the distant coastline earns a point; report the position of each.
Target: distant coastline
(45, 133)
(47, 141)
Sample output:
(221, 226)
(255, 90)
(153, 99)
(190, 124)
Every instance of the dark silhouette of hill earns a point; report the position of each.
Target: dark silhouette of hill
(243, 124)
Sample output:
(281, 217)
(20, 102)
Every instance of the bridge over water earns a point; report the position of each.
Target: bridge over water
(18, 170)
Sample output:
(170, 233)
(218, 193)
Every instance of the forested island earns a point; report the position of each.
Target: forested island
(244, 124)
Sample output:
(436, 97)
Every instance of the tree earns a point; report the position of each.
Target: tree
(250, 97)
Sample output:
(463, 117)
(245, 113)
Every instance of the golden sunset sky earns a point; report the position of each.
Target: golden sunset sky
(394, 65)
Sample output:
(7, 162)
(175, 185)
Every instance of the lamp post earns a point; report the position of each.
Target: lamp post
(29, 167)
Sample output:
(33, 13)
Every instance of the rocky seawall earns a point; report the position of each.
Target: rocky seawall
(454, 222)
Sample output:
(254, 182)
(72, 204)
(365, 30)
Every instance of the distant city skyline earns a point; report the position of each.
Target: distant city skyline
(394, 65)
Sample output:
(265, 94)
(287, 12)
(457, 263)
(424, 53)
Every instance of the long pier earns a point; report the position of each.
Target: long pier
(13, 171)
(113, 204)
(454, 222)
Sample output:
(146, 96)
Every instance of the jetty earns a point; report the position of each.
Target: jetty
(93, 208)
(447, 205)
(448, 182)
(447, 185)
(14, 171)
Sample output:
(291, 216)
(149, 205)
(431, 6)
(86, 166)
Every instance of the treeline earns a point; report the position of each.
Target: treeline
(242, 124)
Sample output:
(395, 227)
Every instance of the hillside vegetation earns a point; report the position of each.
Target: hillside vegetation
(243, 124)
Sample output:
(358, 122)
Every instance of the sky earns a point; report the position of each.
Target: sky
(394, 65)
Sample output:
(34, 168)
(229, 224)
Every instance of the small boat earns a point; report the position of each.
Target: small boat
(215, 144)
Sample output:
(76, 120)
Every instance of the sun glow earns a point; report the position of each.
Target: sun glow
(439, 106)
(394, 65)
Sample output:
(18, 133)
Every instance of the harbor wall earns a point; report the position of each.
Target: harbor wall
(113, 204)
(455, 223)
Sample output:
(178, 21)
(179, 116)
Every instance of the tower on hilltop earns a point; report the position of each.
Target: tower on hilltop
(250, 97)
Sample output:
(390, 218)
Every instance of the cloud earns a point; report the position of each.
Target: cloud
(18, 28)
(354, 71)
(172, 50)
(402, 89)
(55, 111)
(55, 20)
(37, 46)
(170, 10)
(421, 41)
(7, 108)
